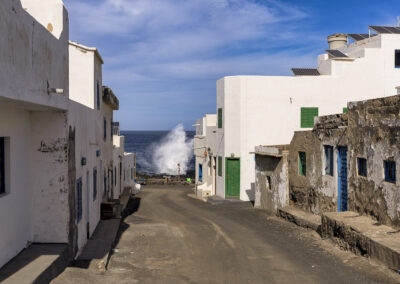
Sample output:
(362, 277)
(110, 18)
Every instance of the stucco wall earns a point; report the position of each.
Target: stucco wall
(272, 193)
(32, 55)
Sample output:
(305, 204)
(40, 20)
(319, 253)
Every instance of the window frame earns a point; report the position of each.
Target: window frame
(79, 209)
(105, 129)
(397, 58)
(2, 166)
(94, 183)
(328, 149)
(390, 167)
(220, 166)
(302, 167)
(98, 95)
(220, 117)
(362, 167)
(305, 116)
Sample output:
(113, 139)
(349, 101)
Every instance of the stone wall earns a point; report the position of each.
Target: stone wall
(316, 192)
(374, 134)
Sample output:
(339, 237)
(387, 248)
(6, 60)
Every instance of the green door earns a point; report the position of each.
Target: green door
(232, 187)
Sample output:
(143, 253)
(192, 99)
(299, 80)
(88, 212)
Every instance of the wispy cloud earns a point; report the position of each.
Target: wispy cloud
(179, 47)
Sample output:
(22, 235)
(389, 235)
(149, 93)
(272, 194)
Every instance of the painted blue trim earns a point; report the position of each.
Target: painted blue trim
(342, 179)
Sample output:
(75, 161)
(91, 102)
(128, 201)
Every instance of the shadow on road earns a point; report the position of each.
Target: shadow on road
(130, 209)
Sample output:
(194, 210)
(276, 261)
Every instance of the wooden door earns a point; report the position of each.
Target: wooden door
(232, 172)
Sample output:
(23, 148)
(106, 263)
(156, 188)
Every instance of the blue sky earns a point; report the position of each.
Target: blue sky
(163, 57)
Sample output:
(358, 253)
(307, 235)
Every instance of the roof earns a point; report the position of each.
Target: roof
(87, 48)
(385, 29)
(305, 72)
(358, 37)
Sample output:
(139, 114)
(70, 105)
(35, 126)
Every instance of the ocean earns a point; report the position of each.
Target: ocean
(144, 143)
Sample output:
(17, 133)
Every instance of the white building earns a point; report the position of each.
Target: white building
(266, 110)
(205, 155)
(123, 164)
(34, 170)
(56, 140)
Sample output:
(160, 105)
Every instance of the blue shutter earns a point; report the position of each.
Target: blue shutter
(79, 200)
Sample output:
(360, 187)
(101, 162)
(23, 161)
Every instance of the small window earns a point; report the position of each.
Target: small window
(345, 110)
(105, 129)
(200, 172)
(94, 183)
(328, 160)
(307, 116)
(220, 118)
(220, 166)
(111, 132)
(302, 164)
(2, 166)
(131, 173)
(390, 171)
(98, 95)
(362, 167)
(397, 58)
(268, 182)
(79, 200)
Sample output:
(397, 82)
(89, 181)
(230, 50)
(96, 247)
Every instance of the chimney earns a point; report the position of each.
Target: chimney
(336, 41)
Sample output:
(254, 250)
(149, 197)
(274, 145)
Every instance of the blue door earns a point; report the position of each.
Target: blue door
(342, 178)
(200, 172)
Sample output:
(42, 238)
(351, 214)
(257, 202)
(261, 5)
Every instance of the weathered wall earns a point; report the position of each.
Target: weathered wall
(374, 128)
(272, 192)
(15, 232)
(32, 55)
(48, 177)
(316, 192)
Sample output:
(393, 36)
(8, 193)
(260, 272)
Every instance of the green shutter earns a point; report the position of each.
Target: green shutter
(345, 110)
(302, 164)
(220, 166)
(220, 118)
(307, 116)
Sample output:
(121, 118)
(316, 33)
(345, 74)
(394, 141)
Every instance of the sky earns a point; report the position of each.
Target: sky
(163, 57)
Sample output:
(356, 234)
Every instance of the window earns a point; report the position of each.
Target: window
(307, 116)
(220, 166)
(111, 132)
(2, 166)
(302, 164)
(328, 160)
(362, 167)
(112, 179)
(94, 184)
(200, 172)
(105, 129)
(220, 118)
(390, 171)
(115, 176)
(131, 173)
(79, 200)
(397, 58)
(345, 110)
(268, 182)
(98, 95)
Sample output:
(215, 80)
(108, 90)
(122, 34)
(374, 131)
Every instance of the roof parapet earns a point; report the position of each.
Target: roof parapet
(110, 99)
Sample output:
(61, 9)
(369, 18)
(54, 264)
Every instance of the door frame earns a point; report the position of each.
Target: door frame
(339, 162)
(226, 176)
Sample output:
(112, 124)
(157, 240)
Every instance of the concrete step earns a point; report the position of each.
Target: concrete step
(363, 236)
(301, 218)
(39, 263)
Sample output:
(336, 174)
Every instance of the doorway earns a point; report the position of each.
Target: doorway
(232, 177)
(342, 178)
